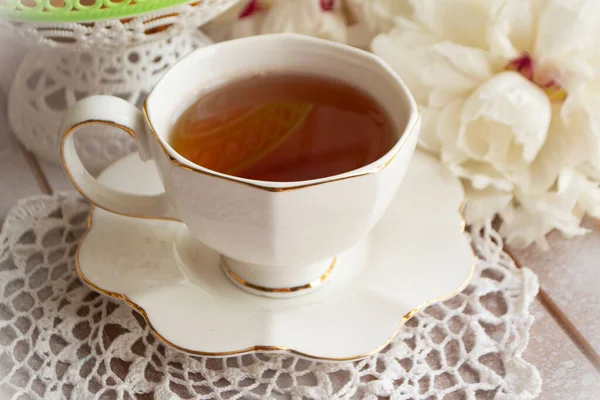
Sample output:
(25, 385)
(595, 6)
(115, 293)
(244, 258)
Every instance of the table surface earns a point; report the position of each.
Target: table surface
(564, 339)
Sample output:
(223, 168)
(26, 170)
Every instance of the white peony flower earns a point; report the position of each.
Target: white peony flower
(371, 17)
(510, 97)
(318, 18)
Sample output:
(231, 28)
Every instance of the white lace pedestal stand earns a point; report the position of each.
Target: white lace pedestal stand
(69, 61)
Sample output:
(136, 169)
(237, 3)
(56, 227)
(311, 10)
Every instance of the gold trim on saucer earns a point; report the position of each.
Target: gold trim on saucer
(257, 348)
(310, 285)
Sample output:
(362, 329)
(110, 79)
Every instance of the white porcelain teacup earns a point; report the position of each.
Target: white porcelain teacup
(275, 237)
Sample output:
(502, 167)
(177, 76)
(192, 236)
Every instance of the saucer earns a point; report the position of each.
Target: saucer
(416, 255)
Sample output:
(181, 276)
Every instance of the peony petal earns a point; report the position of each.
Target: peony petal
(481, 175)
(588, 191)
(567, 41)
(428, 138)
(435, 71)
(332, 27)
(522, 227)
(511, 31)
(483, 205)
(378, 15)
(463, 22)
(590, 200)
(455, 66)
(573, 141)
(398, 49)
(589, 170)
(505, 122)
(580, 112)
(305, 17)
(557, 209)
(581, 127)
(448, 125)
(545, 169)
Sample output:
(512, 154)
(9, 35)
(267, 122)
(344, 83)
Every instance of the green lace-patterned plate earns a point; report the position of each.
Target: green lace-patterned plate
(81, 10)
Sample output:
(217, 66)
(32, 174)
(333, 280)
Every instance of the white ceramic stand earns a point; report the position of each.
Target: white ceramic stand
(123, 57)
(48, 82)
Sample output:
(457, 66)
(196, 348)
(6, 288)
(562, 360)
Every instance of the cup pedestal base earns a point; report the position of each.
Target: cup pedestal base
(279, 282)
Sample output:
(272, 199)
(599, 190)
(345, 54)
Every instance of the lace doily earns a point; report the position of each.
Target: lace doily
(61, 340)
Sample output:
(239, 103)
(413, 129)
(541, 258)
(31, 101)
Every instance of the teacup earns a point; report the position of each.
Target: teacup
(275, 237)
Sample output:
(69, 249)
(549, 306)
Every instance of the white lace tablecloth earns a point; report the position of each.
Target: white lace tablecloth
(60, 340)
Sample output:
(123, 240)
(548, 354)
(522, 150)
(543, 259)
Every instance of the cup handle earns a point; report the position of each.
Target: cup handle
(116, 112)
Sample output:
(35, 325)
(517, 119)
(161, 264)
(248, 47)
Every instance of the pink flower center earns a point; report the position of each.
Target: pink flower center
(327, 5)
(254, 6)
(526, 67)
(251, 8)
